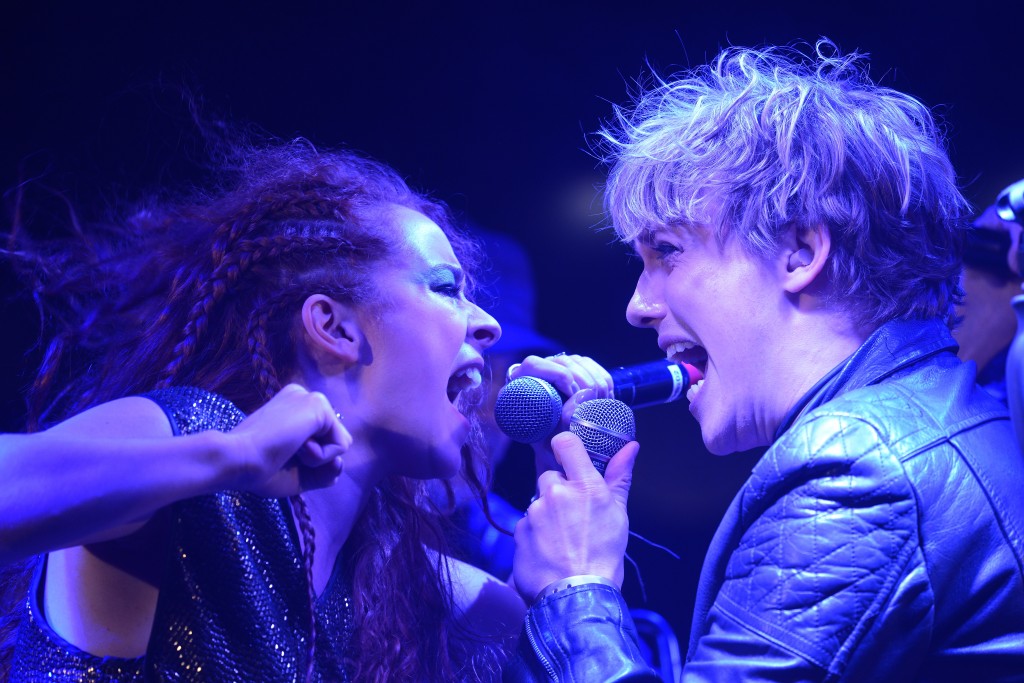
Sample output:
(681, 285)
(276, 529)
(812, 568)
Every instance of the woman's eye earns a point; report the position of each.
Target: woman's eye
(449, 289)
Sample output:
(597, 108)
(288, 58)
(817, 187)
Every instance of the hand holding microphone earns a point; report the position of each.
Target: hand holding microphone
(577, 525)
(529, 408)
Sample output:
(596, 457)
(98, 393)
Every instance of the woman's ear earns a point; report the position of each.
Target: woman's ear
(804, 254)
(332, 330)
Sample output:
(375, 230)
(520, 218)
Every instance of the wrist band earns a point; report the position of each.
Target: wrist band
(572, 582)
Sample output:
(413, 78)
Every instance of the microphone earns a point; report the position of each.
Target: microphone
(604, 425)
(1010, 203)
(647, 384)
(528, 409)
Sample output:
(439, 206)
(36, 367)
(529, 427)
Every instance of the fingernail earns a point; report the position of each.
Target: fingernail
(581, 395)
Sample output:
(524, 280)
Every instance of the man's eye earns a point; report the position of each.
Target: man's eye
(664, 249)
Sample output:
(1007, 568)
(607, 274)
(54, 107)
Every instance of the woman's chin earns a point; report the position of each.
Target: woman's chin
(442, 462)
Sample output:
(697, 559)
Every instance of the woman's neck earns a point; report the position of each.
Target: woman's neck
(335, 509)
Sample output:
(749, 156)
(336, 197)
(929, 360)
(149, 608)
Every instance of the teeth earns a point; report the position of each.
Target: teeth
(691, 393)
(473, 377)
(469, 378)
(678, 347)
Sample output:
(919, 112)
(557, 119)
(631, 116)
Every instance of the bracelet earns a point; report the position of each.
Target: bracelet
(572, 582)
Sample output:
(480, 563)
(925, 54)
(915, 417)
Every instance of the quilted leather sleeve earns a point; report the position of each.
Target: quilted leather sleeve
(827, 529)
(580, 634)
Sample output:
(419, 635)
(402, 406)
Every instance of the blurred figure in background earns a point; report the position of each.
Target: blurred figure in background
(991, 280)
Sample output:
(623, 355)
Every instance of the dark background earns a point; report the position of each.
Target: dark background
(489, 106)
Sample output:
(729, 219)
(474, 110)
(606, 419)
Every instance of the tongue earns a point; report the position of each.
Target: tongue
(695, 374)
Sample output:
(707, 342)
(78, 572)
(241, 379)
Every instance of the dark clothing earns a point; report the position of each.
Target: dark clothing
(234, 602)
(881, 537)
(580, 634)
(481, 543)
(992, 377)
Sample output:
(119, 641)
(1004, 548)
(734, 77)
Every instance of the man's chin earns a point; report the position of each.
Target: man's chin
(719, 443)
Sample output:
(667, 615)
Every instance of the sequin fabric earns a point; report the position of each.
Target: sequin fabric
(233, 605)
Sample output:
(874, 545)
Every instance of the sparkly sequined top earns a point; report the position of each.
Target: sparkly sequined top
(233, 602)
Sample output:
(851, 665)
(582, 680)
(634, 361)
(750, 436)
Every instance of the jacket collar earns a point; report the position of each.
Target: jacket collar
(895, 345)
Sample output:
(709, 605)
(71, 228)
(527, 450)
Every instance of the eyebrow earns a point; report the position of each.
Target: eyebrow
(646, 238)
(445, 269)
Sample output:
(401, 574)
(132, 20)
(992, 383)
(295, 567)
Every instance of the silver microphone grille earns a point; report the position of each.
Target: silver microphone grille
(604, 425)
(527, 409)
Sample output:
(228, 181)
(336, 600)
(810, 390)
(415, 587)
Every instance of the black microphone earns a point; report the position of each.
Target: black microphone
(528, 409)
(987, 250)
(604, 425)
(647, 384)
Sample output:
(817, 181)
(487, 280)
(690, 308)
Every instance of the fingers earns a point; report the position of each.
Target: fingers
(570, 405)
(329, 436)
(619, 473)
(573, 457)
(599, 379)
(577, 466)
(578, 523)
(313, 453)
(294, 441)
(322, 476)
(568, 373)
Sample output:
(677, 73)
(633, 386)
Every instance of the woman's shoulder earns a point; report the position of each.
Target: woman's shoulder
(191, 409)
(129, 417)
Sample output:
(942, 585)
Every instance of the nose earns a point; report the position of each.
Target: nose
(484, 330)
(644, 308)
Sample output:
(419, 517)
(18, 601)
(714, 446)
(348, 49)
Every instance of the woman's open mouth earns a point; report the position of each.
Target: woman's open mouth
(464, 379)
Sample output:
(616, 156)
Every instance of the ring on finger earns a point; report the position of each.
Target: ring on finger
(508, 373)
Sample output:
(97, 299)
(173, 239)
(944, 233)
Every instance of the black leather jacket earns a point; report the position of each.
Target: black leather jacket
(881, 537)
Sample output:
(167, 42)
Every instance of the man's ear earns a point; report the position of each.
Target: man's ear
(332, 330)
(805, 252)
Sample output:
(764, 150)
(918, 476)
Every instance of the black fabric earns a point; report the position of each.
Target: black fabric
(233, 603)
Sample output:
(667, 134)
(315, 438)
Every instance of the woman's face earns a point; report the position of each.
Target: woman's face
(425, 342)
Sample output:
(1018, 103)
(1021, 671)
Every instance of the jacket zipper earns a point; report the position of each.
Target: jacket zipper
(540, 655)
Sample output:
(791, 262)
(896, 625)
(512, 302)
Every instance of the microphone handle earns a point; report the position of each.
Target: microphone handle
(661, 381)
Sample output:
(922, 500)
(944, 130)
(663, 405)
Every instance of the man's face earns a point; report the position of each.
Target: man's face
(717, 307)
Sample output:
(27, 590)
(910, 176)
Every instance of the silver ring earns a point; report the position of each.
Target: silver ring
(511, 369)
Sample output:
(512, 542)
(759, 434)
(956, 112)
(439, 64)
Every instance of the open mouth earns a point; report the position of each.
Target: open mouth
(695, 358)
(465, 380)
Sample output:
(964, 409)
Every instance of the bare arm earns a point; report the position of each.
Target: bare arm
(105, 472)
(489, 607)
